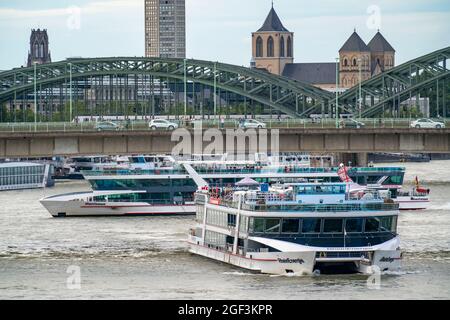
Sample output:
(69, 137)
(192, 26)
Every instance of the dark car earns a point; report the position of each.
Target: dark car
(352, 123)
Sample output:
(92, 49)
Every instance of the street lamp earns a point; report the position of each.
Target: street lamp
(35, 95)
(185, 89)
(337, 93)
(360, 88)
(215, 90)
(70, 92)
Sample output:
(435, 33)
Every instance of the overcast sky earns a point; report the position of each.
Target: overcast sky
(220, 30)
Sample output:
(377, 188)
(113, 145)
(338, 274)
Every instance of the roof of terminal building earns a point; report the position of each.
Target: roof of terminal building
(273, 23)
(313, 73)
(380, 44)
(355, 43)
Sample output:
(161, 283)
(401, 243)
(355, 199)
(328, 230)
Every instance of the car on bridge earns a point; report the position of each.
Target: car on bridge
(427, 124)
(351, 123)
(162, 125)
(253, 124)
(108, 126)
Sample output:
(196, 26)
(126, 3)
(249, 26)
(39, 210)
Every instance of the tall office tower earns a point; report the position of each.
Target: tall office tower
(39, 52)
(165, 28)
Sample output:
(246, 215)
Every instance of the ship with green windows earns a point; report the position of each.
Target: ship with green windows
(168, 188)
(298, 229)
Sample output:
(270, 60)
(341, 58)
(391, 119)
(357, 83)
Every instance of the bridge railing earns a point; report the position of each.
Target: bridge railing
(68, 127)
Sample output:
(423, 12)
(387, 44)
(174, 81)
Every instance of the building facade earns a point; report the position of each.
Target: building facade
(39, 48)
(165, 28)
(273, 51)
(272, 45)
(361, 61)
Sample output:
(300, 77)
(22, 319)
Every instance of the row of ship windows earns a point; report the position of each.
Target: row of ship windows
(20, 180)
(141, 184)
(323, 225)
(17, 171)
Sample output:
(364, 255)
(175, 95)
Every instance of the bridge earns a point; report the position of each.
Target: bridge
(111, 80)
(148, 83)
(141, 141)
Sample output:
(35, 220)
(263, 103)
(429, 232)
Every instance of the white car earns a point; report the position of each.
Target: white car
(253, 124)
(427, 123)
(162, 124)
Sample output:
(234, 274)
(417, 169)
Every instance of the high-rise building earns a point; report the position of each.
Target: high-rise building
(39, 52)
(165, 28)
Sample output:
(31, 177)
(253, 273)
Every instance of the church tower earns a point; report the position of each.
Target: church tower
(39, 48)
(354, 55)
(272, 45)
(383, 54)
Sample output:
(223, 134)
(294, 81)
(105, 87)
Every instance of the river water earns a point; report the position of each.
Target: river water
(147, 258)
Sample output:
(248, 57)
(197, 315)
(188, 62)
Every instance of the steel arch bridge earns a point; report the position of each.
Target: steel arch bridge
(285, 95)
(387, 90)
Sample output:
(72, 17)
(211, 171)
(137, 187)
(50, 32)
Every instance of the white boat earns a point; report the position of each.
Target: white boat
(112, 203)
(25, 175)
(163, 180)
(300, 230)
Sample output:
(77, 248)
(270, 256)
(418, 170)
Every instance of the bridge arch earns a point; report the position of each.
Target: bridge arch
(60, 79)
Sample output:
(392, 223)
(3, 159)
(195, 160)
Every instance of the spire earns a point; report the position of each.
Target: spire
(380, 44)
(273, 22)
(355, 43)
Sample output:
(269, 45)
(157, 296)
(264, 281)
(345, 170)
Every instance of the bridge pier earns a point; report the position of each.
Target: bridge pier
(360, 159)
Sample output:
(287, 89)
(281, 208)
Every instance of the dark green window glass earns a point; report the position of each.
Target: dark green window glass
(332, 226)
(290, 226)
(354, 225)
(311, 225)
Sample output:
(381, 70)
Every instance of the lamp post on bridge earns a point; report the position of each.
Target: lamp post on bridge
(185, 88)
(35, 95)
(360, 87)
(337, 93)
(70, 92)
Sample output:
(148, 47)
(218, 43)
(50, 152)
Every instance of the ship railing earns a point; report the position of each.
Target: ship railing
(320, 207)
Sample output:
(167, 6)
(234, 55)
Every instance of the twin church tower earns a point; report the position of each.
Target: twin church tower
(273, 50)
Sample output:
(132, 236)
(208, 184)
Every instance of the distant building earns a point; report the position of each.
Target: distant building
(39, 48)
(273, 50)
(165, 28)
(273, 45)
(376, 57)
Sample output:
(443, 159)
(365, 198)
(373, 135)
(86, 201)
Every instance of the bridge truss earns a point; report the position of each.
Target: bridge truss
(385, 92)
(149, 82)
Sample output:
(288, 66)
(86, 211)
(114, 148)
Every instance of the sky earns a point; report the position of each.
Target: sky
(220, 30)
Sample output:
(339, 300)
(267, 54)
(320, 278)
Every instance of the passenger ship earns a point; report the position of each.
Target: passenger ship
(168, 185)
(298, 229)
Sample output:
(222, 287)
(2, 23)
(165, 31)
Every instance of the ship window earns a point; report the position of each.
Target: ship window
(388, 224)
(372, 225)
(332, 226)
(231, 220)
(272, 226)
(311, 225)
(258, 225)
(354, 225)
(290, 226)
(396, 180)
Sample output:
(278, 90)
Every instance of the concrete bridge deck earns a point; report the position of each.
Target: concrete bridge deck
(45, 144)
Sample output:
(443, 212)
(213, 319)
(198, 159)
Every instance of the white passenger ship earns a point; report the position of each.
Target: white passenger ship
(164, 185)
(299, 230)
